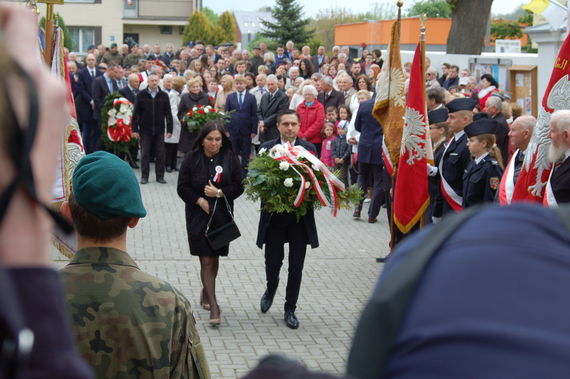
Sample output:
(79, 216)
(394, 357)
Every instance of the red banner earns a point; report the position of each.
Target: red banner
(534, 174)
(411, 196)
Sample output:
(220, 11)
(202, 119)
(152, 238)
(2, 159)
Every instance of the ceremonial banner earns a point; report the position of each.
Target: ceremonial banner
(554, 12)
(536, 167)
(411, 196)
(390, 102)
(71, 149)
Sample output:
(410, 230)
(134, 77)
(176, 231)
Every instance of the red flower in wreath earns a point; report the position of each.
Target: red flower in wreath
(191, 113)
(212, 110)
(201, 111)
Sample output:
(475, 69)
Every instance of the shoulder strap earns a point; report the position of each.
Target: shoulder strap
(381, 319)
(564, 213)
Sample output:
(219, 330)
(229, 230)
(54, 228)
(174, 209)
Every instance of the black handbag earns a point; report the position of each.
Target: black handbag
(224, 234)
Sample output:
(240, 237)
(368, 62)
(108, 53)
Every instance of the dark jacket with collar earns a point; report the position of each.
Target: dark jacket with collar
(152, 114)
(333, 100)
(560, 182)
(268, 111)
(243, 121)
(308, 220)
(99, 90)
(481, 181)
(502, 136)
(455, 161)
(128, 94)
(371, 133)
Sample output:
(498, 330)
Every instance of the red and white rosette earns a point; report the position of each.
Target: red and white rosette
(292, 155)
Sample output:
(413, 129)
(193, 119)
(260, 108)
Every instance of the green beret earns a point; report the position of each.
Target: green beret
(106, 186)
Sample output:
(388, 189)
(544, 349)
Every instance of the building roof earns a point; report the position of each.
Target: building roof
(250, 22)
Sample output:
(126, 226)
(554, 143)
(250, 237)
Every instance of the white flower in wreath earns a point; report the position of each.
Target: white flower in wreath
(307, 185)
(195, 109)
(262, 151)
(275, 154)
(208, 107)
(112, 120)
(284, 166)
(288, 182)
(124, 109)
(315, 168)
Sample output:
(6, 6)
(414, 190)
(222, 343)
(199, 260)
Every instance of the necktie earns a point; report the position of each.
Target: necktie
(115, 85)
(240, 99)
(92, 73)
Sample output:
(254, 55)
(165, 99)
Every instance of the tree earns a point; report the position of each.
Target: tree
(433, 9)
(326, 20)
(227, 27)
(469, 21)
(198, 28)
(212, 16)
(501, 29)
(271, 43)
(289, 23)
(67, 40)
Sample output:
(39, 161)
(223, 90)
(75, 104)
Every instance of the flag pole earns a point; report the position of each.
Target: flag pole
(423, 19)
(393, 241)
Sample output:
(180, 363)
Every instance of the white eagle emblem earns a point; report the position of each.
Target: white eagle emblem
(413, 140)
(391, 86)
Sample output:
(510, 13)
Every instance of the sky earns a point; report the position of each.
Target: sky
(312, 7)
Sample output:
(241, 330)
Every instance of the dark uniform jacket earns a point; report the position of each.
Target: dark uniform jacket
(268, 111)
(434, 185)
(455, 161)
(560, 182)
(99, 90)
(187, 101)
(152, 114)
(308, 220)
(481, 181)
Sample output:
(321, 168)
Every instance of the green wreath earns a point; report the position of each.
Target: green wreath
(117, 138)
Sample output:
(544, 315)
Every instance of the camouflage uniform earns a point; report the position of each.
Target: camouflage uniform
(129, 324)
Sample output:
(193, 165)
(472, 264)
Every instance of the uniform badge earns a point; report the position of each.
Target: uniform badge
(494, 182)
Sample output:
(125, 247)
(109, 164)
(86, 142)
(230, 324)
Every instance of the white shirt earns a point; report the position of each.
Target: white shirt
(480, 158)
(458, 135)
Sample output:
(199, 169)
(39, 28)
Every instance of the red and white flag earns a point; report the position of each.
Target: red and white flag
(534, 174)
(507, 186)
(411, 196)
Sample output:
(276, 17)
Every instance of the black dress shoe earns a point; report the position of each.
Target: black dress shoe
(144, 180)
(176, 169)
(168, 169)
(372, 220)
(266, 301)
(161, 181)
(356, 213)
(291, 320)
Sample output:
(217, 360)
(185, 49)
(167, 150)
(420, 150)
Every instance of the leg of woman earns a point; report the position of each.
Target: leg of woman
(208, 272)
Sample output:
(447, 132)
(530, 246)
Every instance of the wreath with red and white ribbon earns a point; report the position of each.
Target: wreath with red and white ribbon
(116, 117)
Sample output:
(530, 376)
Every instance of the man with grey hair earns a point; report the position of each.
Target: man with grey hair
(431, 78)
(345, 86)
(328, 96)
(558, 187)
(520, 134)
(272, 103)
(292, 74)
(494, 108)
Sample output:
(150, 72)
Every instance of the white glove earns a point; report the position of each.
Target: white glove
(436, 220)
(432, 171)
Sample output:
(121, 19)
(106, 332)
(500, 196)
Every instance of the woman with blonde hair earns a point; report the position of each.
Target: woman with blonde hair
(195, 96)
(298, 97)
(227, 87)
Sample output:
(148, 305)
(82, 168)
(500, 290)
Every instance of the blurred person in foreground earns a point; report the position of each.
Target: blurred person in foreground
(35, 335)
(127, 323)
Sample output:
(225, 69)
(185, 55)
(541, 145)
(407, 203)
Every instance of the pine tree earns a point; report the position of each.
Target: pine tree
(227, 27)
(198, 28)
(289, 23)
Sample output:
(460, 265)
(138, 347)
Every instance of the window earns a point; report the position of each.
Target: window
(130, 4)
(166, 29)
(83, 37)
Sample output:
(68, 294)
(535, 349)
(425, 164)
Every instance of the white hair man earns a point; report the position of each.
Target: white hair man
(345, 86)
(431, 78)
(293, 74)
(494, 107)
(558, 188)
(520, 134)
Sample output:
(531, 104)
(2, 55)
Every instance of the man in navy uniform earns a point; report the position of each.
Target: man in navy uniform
(243, 123)
(277, 229)
(456, 155)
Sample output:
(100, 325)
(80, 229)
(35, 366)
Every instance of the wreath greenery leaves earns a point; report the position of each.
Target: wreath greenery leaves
(122, 145)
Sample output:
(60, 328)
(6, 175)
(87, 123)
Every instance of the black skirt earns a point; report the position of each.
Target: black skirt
(199, 246)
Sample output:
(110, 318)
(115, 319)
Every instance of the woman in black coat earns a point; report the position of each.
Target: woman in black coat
(210, 172)
(188, 101)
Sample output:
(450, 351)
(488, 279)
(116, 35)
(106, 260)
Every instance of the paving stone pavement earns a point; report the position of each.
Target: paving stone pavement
(338, 278)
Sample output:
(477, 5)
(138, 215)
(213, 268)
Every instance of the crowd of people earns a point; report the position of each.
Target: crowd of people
(127, 323)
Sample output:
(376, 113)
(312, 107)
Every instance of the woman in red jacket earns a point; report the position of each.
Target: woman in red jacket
(312, 116)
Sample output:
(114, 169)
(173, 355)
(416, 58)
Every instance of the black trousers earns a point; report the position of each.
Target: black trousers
(91, 134)
(284, 228)
(171, 155)
(242, 147)
(147, 143)
(371, 173)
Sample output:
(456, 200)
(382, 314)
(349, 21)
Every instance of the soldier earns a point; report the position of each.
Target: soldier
(127, 323)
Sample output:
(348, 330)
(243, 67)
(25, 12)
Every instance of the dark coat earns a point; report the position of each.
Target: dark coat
(243, 120)
(340, 148)
(333, 100)
(83, 100)
(268, 111)
(308, 220)
(194, 176)
(449, 82)
(128, 94)
(560, 182)
(315, 62)
(502, 136)
(99, 91)
(152, 114)
(371, 133)
(434, 185)
(188, 101)
(455, 161)
(481, 181)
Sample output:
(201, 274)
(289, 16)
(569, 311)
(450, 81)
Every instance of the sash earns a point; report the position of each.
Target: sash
(507, 186)
(452, 198)
(386, 158)
(549, 199)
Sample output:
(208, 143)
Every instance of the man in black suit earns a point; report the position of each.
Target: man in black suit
(494, 107)
(85, 104)
(370, 159)
(272, 103)
(277, 229)
(328, 96)
(130, 92)
(319, 59)
(243, 123)
(152, 112)
(558, 189)
(102, 86)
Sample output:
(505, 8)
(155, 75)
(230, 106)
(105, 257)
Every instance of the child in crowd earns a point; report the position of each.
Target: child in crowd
(341, 151)
(328, 138)
(331, 114)
(345, 116)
